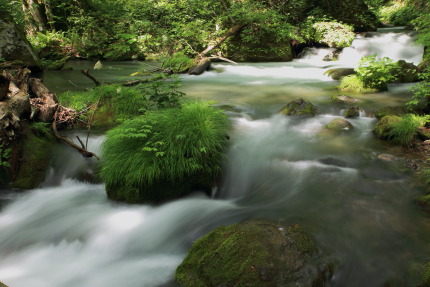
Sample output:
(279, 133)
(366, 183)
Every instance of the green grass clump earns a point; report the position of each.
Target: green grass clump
(353, 84)
(165, 145)
(405, 131)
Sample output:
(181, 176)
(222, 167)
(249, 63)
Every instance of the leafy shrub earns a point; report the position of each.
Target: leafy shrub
(352, 83)
(334, 34)
(163, 146)
(405, 131)
(421, 91)
(404, 16)
(115, 103)
(377, 73)
(52, 45)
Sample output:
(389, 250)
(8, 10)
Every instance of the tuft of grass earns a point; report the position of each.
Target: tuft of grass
(405, 131)
(352, 83)
(165, 145)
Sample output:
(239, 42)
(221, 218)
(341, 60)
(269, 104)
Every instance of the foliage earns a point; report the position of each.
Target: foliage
(51, 45)
(405, 131)
(11, 10)
(178, 62)
(116, 103)
(4, 155)
(376, 73)
(165, 145)
(421, 91)
(334, 34)
(352, 83)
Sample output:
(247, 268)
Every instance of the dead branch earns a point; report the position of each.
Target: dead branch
(87, 73)
(216, 43)
(222, 59)
(81, 150)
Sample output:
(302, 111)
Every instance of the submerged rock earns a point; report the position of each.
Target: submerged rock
(338, 73)
(298, 107)
(384, 126)
(352, 112)
(254, 253)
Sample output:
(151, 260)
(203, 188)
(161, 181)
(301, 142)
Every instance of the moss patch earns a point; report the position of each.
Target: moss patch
(389, 111)
(31, 157)
(385, 125)
(298, 107)
(252, 253)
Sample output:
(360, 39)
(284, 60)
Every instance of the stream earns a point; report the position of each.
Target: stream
(358, 206)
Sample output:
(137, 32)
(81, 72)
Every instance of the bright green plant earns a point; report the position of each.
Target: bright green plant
(165, 145)
(353, 84)
(333, 34)
(4, 155)
(178, 62)
(52, 45)
(421, 91)
(405, 131)
(377, 73)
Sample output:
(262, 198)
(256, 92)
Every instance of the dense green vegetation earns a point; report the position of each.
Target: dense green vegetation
(126, 29)
(144, 157)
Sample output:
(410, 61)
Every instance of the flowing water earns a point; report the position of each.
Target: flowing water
(358, 206)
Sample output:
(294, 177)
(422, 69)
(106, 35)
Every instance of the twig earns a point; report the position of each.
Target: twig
(81, 150)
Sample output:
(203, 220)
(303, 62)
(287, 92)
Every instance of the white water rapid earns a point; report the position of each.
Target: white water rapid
(358, 206)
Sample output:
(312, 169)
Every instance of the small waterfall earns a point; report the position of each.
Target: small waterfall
(395, 45)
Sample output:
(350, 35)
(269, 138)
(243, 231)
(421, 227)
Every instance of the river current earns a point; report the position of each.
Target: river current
(357, 205)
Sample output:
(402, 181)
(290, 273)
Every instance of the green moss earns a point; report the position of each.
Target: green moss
(3, 285)
(389, 111)
(298, 107)
(253, 253)
(164, 153)
(353, 84)
(339, 125)
(31, 158)
(384, 126)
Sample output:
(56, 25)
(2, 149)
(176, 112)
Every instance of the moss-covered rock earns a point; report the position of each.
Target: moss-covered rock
(298, 107)
(3, 285)
(408, 72)
(384, 126)
(252, 253)
(352, 112)
(338, 73)
(390, 111)
(30, 158)
(339, 125)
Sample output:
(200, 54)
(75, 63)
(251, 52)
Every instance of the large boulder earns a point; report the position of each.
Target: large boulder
(15, 47)
(339, 125)
(253, 253)
(385, 125)
(298, 107)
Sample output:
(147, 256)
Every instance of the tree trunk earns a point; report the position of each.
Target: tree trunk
(35, 16)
